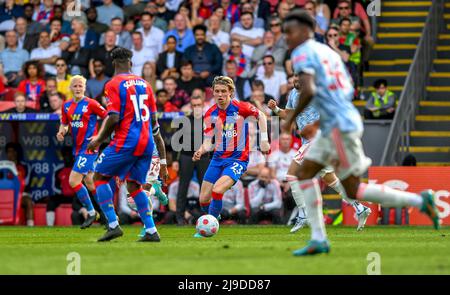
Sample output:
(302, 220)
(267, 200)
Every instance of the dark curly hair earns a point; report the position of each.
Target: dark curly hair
(35, 63)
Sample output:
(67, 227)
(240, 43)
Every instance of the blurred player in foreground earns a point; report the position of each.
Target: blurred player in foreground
(307, 124)
(79, 115)
(130, 105)
(226, 121)
(326, 83)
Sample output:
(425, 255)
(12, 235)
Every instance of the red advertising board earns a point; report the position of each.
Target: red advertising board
(417, 179)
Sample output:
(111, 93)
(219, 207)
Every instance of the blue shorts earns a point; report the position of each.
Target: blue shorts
(218, 168)
(84, 163)
(123, 164)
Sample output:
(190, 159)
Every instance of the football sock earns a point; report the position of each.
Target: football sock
(50, 216)
(83, 196)
(216, 204)
(143, 206)
(337, 186)
(387, 196)
(313, 201)
(205, 207)
(297, 194)
(105, 198)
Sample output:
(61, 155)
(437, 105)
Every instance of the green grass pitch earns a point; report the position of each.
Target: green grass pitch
(234, 250)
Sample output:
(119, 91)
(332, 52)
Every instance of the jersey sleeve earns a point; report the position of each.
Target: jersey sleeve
(112, 98)
(64, 117)
(248, 110)
(208, 127)
(290, 100)
(302, 62)
(98, 109)
(151, 100)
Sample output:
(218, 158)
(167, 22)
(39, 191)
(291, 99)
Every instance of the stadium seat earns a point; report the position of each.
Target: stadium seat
(39, 214)
(9, 193)
(63, 215)
(6, 105)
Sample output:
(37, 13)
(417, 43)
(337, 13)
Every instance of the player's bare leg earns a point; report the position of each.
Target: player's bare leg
(362, 212)
(105, 198)
(389, 197)
(313, 201)
(297, 194)
(76, 182)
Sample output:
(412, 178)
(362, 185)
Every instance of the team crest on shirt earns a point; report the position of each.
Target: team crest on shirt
(85, 109)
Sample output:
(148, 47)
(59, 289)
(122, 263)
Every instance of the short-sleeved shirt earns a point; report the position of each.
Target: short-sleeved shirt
(334, 89)
(81, 117)
(131, 97)
(230, 129)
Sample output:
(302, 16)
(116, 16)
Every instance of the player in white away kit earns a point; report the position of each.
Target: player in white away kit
(308, 127)
(327, 85)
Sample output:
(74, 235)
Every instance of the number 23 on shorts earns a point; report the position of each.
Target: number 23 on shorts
(237, 168)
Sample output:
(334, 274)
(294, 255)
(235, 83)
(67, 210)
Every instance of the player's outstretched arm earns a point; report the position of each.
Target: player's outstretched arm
(282, 113)
(206, 146)
(159, 142)
(308, 91)
(105, 132)
(262, 123)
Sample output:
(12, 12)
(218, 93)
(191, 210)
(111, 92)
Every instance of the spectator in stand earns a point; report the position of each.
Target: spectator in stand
(149, 75)
(184, 157)
(283, 10)
(261, 8)
(33, 27)
(94, 86)
(206, 57)
(103, 53)
(259, 85)
(224, 23)
(108, 11)
(163, 12)
(345, 11)
(123, 38)
(158, 21)
(55, 101)
(141, 55)
(64, 192)
(242, 85)
(292, 4)
(58, 12)
(265, 198)
(267, 48)
(348, 38)
(77, 57)
(33, 86)
(216, 36)
(133, 8)
(191, 204)
(237, 55)
(58, 39)
(322, 14)
(162, 102)
(344, 51)
(20, 105)
(187, 81)
(169, 61)
(45, 12)
(257, 99)
(248, 34)
(177, 96)
(248, 7)
(234, 204)
(153, 36)
(25, 40)
(12, 58)
(50, 87)
(275, 82)
(14, 153)
(46, 54)
(231, 11)
(93, 24)
(9, 11)
(381, 102)
(311, 8)
(185, 37)
(88, 39)
(279, 40)
(63, 78)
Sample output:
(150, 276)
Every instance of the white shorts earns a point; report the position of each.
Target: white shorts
(343, 151)
(153, 172)
(300, 156)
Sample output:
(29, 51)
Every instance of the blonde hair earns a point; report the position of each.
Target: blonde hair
(224, 80)
(77, 77)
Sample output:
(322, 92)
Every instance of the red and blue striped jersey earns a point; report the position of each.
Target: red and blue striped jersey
(230, 129)
(131, 97)
(81, 117)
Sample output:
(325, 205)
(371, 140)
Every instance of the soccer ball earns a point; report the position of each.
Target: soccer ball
(207, 225)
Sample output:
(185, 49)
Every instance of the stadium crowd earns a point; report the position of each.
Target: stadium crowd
(178, 47)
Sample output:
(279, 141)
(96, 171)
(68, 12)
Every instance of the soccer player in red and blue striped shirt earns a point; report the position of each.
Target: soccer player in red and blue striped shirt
(227, 121)
(131, 105)
(79, 114)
